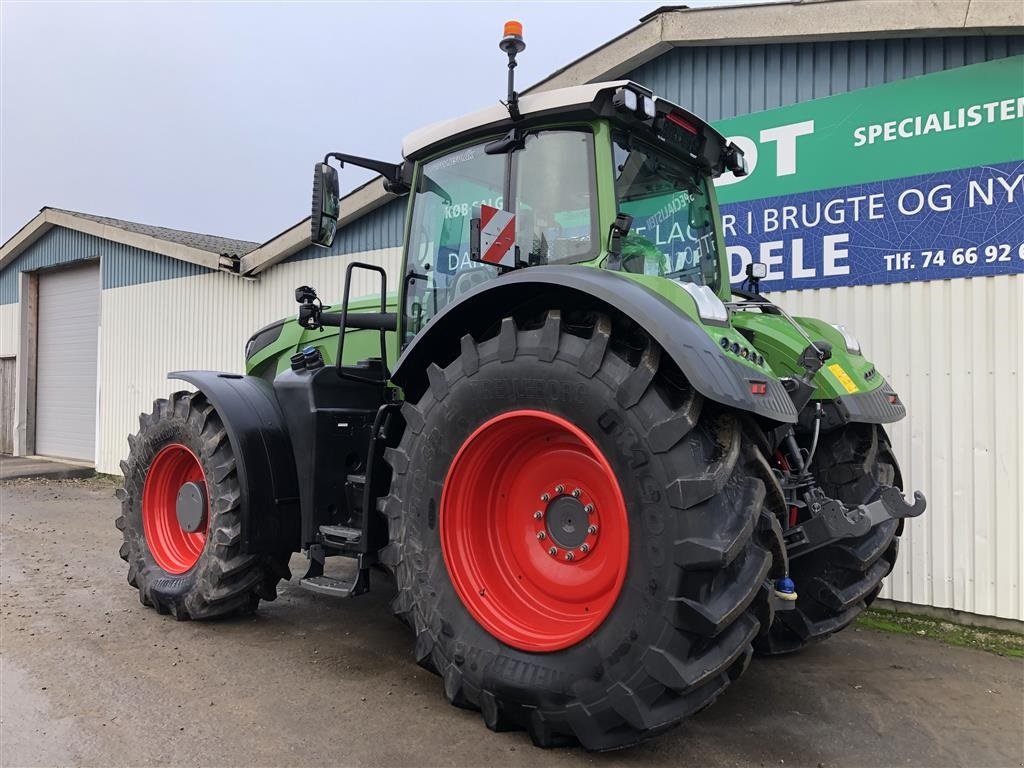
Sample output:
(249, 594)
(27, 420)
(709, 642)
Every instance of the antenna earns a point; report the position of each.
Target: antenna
(512, 43)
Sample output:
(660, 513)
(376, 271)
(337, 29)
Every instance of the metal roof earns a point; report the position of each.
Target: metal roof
(223, 246)
(208, 251)
(671, 27)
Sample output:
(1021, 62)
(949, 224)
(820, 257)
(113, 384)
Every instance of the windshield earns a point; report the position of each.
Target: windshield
(673, 232)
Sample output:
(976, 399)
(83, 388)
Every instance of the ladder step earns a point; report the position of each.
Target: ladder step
(328, 585)
(340, 534)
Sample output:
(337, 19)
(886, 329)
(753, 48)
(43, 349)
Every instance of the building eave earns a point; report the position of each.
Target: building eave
(48, 218)
(802, 20)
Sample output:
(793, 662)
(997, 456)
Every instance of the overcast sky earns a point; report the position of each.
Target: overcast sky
(208, 117)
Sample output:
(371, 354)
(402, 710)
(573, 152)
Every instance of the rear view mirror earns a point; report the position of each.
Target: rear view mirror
(324, 221)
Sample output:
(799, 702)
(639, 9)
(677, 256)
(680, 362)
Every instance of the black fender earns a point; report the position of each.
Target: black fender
(708, 370)
(256, 428)
(879, 406)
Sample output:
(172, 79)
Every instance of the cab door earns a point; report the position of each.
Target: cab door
(549, 183)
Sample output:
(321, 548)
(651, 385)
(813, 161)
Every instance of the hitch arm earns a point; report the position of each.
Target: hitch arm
(831, 520)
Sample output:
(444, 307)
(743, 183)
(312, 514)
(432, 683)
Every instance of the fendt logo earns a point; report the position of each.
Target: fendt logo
(783, 137)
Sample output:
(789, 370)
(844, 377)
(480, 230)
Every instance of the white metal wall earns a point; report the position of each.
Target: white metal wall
(954, 350)
(199, 322)
(9, 322)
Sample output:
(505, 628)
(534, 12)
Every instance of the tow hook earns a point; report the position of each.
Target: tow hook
(832, 520)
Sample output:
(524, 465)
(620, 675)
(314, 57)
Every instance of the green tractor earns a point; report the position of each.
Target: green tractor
(596, 478)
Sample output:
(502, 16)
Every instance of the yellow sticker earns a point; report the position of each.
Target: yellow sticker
(844, 378)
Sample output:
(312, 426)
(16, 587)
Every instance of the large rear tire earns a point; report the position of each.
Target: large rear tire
(836, 583)
(650, 621)
(185, 556)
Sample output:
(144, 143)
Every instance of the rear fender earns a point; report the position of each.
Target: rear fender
(266, 466)
(700, 359)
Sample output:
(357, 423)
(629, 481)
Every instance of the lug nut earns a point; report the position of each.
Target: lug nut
(591, 529)
(545, 497)
(538, 515)
(576, 493)
(569, 555)
(553, 551)
(588, 508)
(559, 489)
(584, 548)
(541, 535)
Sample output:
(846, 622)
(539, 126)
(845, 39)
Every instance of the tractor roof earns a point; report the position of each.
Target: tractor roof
(592, 99)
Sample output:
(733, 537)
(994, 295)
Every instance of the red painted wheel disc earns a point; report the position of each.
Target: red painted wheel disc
(174, 549)
(534, 530)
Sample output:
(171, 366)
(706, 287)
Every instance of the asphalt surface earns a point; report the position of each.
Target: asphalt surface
(91, 677)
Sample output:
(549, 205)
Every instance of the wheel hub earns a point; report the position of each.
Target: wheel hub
(567, 527)
(190, 506)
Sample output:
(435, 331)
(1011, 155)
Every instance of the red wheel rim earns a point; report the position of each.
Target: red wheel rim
(534, 530)
(174, 549)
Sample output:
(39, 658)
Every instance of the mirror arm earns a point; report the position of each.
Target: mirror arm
(394, 178)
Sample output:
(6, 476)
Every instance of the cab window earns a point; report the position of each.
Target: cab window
(439, 269)
(555, 198)
(673, 233)
(552, 179)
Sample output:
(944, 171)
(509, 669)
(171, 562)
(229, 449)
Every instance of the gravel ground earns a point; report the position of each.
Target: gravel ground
(91, 677)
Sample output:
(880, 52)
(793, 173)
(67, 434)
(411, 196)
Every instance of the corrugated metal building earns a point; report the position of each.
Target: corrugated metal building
(953, 348)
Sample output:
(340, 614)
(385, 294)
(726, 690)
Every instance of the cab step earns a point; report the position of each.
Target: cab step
(340, 535)
(334, 587)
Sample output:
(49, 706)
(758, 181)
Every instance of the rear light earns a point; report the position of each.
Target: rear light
(893, 398)
(682, 122)
(759, 388)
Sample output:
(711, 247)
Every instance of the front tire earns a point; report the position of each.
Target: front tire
(658, 616)
(185, 558)
(836, 583)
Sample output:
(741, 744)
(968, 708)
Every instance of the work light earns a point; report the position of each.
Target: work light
(852, 344)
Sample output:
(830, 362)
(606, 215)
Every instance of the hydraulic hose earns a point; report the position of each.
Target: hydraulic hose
(814, 440)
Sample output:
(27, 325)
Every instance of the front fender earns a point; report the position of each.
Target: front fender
(263, 454)
(699, 357)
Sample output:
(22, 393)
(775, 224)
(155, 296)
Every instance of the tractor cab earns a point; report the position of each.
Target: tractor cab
(602, 192)
(605, 175)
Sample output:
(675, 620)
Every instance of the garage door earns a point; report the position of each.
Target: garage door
(68, 336)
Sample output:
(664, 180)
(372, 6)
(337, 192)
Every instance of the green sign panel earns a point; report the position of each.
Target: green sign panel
(913, 180)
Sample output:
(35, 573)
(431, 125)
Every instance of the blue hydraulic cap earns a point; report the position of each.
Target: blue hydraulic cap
(785, 588)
